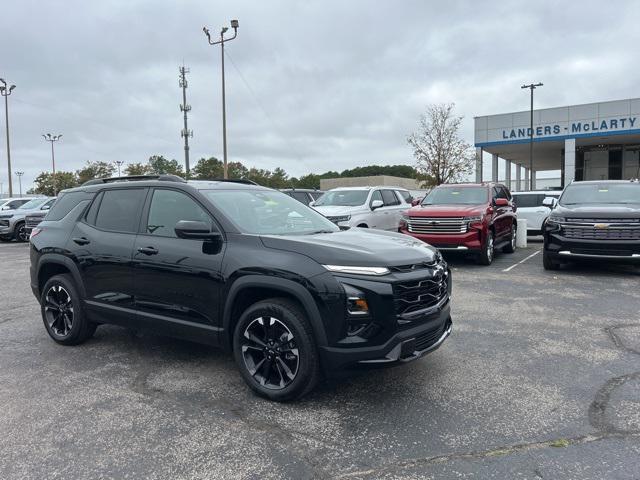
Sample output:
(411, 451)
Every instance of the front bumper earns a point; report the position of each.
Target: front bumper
(405, 346)
(471, 240)
(561, 248)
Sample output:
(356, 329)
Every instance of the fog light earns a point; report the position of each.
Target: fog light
(357, 306)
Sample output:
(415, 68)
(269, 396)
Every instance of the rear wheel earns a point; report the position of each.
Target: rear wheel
(275, 350)
(511, 247)
(487, 252)
(62, 312)
(548, 263)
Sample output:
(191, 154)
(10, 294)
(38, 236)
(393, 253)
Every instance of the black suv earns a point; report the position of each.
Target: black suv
(594, 220)
(242, 267)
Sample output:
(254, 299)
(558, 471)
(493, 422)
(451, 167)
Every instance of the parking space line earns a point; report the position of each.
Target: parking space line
(522, 261)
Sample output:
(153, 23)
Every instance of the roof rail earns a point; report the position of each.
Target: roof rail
(235, 180)
(135, 178)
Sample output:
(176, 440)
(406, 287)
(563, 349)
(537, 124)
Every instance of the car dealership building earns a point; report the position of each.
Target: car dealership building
(593, 141)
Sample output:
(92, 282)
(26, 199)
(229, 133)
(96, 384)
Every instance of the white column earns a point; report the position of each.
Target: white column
(494, 167)
(526, 180)
(518, 178)
(569, 160)
(507, 174)
(478, 164)
(533, 176)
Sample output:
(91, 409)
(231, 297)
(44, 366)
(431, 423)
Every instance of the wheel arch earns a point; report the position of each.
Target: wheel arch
(55, 264)
(248, 290)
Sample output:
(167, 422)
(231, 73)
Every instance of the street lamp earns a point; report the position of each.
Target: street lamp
(119, 163)
(5, 92)
(53, 138)
(19, 175)
(221, 42)
(532, 87)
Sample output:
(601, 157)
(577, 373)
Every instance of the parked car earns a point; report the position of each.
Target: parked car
(32, 220)
(242, 267)
(12, 222)
(365, 207)
(303, 195)
(535, 208)
(471, 218)
(594, 220)
(12, 203)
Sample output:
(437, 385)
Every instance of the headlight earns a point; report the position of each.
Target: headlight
(477, 218)
(340, 218)
(556, 219)
(377, 271)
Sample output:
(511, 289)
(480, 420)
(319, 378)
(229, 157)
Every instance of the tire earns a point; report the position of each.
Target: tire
(512, 244)
(488, 250)
(19, 233)
(548, 263)
(62, 313)
(275, 350)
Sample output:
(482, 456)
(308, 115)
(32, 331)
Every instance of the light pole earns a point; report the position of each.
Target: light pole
(221, 42)
(5, 92)
(53, 138)
(19, 175)
(119, 164)
(532, 87)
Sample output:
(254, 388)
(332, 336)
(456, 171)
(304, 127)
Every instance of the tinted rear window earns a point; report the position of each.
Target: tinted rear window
(527, 201)
(119, 208)
(64, 204)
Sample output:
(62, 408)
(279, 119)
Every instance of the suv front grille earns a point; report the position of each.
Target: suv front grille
(591, 232)
(437, 225)
(4, 223)
(413, 296)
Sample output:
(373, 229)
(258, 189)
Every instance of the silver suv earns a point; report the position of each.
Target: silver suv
(12, 222)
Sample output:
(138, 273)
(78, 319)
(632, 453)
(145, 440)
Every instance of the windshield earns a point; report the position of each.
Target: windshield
(267, 212)
(35, 203)
(601, 193)
(457, 196)
(343, 198)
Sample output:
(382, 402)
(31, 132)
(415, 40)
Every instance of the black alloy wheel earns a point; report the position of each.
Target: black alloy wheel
(58, 310)
(21, 234)
(270, 353)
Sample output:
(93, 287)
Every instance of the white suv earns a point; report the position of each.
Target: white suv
(366, 207)
(533, 207)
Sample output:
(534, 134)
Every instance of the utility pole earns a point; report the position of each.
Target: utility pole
(53, 138)
(19, 175)
(5, 92)
(119, 164)
(532, 87)
(185, 108)
(221, 42)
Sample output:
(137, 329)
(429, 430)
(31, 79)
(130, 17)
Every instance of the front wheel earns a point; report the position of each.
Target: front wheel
(486, 254)
(275, 350)
(20, 233)
(511, 247)
(548, 263)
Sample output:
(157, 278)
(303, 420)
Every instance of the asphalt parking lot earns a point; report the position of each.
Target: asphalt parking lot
(540, 379)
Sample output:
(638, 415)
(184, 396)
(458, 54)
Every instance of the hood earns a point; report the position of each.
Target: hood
(601, 211)
(356, 247)
(19, 211)
(447, 210)
(335, 210)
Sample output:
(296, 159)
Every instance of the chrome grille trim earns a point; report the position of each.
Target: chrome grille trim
(437, 225)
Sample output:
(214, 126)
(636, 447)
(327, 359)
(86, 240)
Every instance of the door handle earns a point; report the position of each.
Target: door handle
(148, 250)
(81, 241)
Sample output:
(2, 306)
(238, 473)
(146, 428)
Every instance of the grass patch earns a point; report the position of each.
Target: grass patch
(560, 443)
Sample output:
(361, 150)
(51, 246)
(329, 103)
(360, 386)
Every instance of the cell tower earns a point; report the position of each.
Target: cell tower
(185, 108)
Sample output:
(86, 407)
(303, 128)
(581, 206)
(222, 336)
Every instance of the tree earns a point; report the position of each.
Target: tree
(43, 184)
(441, 155)
(160, 165)
(137, 169)
(310, 180)
(208, 169)
(95, 170)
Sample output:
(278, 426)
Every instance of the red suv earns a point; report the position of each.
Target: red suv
(476, 218)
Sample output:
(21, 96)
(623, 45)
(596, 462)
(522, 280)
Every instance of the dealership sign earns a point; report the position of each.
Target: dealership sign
(614, 124)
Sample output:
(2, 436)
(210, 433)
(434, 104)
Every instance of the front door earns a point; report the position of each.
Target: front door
(177, 281)
(102, 244)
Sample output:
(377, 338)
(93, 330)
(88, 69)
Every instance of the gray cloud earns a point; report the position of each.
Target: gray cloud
(329, 85)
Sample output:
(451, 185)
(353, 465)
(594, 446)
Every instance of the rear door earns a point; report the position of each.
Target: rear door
(102, 244)
(391, 210)
(502, 222)
(177, 281)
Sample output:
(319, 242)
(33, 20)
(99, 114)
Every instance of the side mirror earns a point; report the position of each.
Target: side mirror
(502, 202)
(549, 202)
(46, 207)
(195, 230)
(376, 204)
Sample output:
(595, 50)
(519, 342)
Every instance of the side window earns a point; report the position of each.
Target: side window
(406, 195)
(499, 192)
(389, 198)
(93, 210)
(65, 203)
(316, 195)
(167, 208)
(376, 195)
(118, 208)
(301, 197)
(507, 193)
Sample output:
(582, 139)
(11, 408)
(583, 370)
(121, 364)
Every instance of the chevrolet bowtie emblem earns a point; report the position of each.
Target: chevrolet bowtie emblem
(601, 225)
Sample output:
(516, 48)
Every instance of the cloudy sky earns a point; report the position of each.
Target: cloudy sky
(311, 85)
